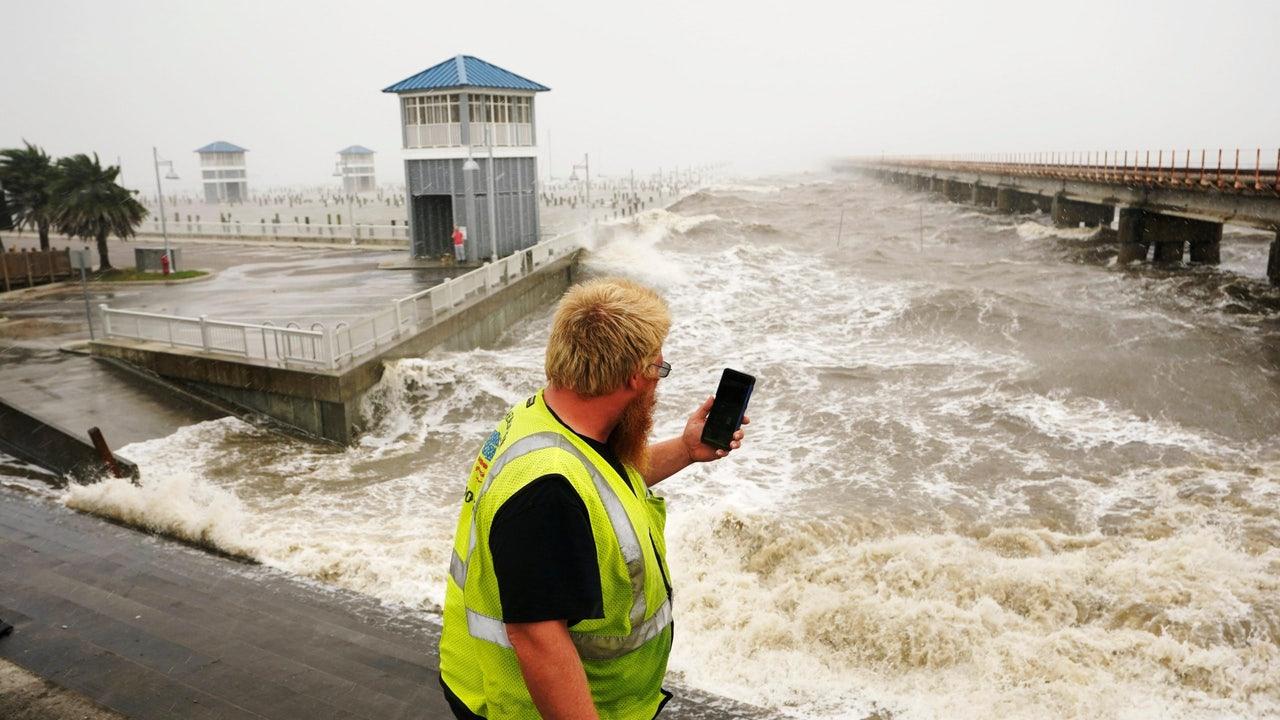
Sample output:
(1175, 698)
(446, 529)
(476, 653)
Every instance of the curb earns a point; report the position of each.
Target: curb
(119, 284)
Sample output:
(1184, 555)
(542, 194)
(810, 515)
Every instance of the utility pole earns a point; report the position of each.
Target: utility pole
(164, 227)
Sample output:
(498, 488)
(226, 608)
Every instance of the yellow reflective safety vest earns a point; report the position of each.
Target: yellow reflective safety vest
(625, 653)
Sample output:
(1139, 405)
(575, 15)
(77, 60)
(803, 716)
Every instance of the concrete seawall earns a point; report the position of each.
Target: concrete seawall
(326, 403)
(51, 446)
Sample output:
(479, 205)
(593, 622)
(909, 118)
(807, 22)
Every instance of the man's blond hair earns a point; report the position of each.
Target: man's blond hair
(603, 332)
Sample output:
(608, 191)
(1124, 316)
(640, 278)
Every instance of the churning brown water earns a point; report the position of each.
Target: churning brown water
(988, 476)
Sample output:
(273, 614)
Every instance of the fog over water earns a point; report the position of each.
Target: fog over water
(663, 84)
(988, 475)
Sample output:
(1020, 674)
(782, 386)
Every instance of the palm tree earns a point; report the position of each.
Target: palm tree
(26, 174)
(91, 204)
(6, 220)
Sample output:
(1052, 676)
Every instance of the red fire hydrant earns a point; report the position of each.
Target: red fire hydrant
(164, 264)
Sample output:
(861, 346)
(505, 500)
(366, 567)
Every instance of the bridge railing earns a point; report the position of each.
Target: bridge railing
(1234, 169)
(345, 343)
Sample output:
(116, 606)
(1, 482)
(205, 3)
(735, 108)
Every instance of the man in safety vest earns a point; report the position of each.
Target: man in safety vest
(559, 596)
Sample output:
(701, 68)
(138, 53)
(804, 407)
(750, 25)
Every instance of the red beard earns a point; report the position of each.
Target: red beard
(630, 438)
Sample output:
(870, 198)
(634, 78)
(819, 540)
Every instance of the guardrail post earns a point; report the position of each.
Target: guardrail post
(106, 320)
(204, 333)
(399, 318)
(330, 335)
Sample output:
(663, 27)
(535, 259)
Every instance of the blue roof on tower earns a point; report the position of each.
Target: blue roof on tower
(464, 71)
(221, 146)
(355, 150)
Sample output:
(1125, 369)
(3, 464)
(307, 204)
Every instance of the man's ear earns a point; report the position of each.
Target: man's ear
(636, 381)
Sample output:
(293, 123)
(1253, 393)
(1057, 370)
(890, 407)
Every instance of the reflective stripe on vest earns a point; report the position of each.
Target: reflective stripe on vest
(590, 646)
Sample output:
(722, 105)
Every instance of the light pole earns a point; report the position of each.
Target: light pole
(493, 199)
(471, 166)
(171, 175)
(469, 170)
(340, 170)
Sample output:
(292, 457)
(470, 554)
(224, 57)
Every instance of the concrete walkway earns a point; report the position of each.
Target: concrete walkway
(151, 628)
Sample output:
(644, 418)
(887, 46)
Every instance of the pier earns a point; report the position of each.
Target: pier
(1168, 202)
(314, 378)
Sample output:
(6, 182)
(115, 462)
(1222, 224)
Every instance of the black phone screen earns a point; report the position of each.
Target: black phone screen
(730, 404)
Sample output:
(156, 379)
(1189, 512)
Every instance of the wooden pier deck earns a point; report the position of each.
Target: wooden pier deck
(152, 628)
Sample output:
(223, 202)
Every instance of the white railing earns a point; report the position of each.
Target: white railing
(345, 343)
(283, 346)
(282, 231)
(502, 134)
(433, 135)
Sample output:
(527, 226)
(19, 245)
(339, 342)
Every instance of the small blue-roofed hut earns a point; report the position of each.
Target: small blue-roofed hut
(223, 172)
(465, 108)
(355, 164)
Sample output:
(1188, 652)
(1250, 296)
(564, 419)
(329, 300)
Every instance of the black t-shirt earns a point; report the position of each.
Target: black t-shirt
(544, 554)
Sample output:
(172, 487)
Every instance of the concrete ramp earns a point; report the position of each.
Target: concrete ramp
(46, 444)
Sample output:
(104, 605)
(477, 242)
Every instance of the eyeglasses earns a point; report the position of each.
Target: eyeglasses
(664, 368)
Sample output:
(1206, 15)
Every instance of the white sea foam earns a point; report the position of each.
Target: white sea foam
(828, 620)
(1090, 423)
(173, 497)
(1031, 230)
(742, 187)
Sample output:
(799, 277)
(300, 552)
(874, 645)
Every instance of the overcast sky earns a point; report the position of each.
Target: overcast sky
(763, 86)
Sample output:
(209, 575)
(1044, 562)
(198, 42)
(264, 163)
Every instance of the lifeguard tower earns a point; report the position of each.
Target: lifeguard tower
(470, 158)
(223, 172)
(355, 164)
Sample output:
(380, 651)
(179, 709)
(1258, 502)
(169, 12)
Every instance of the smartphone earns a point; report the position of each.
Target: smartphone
(730, 405)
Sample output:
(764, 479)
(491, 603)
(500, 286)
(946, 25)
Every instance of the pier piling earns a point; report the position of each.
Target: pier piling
(1133, 243)
(1071, 213)
(983, 195)
(1273, 262)
(1141, 229)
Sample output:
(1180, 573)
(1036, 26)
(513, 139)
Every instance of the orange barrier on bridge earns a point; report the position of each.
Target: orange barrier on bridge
(1238, 170)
